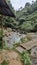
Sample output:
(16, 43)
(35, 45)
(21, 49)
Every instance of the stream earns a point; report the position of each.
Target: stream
(13, 38)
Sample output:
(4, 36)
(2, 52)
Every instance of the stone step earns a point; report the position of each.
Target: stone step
(20, 49)
(29, 45)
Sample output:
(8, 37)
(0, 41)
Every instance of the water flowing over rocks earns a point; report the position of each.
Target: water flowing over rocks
(11, 37)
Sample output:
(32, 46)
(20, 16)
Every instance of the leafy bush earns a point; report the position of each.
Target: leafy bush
(26, 58)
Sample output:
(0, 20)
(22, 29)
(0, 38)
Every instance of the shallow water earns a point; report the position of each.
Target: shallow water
(13, 38)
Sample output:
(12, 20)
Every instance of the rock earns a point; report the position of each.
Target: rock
(34, 55)
(34, 61)
(20, 49)
(34, 51)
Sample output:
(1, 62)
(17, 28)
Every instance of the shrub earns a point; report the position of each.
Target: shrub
(26, 58)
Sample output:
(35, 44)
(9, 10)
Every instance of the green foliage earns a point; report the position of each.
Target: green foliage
(15, 45)
(26, 26)
(5, 63)
(26, 58)
(24, 40)
(26, 18)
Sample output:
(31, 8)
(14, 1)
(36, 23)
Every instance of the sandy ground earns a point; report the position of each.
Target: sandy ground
(11, 56)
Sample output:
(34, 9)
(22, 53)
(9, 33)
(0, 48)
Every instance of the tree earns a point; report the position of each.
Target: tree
(27, 5)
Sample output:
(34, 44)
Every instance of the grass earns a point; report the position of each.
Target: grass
(16, 45)
(5, 63)
(25, 57)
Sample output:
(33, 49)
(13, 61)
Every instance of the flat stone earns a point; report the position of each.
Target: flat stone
(34, 52)
(34, 61)
(20, 49)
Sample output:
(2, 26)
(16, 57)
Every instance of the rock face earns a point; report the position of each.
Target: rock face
(34, 61)
(34, 55)
(34, 51)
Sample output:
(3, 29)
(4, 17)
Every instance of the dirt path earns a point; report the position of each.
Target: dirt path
(11, 56)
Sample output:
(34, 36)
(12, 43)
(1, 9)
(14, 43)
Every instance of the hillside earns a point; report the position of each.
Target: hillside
(28, 17)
